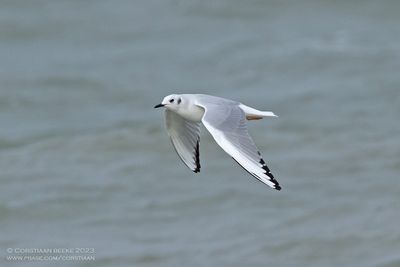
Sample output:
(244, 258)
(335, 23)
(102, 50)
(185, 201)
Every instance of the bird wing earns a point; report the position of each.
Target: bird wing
(185, 137)
(227, 124)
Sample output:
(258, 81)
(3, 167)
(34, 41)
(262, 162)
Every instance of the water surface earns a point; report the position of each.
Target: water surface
(85, 160)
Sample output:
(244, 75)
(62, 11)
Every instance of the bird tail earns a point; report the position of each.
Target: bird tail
(254, 114)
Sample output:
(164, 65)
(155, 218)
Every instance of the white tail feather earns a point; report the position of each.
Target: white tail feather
(251, 112)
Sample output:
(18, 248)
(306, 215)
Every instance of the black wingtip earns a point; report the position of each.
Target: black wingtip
(276, 184)
(197, 157)
(272, 179)
(269, 174)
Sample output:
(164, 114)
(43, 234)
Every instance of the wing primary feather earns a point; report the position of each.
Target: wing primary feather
(197, 158)
(272, 180)
(185, 139)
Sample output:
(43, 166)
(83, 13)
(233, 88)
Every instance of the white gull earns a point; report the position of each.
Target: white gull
(226, 121)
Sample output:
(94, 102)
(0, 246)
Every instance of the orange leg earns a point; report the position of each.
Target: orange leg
(253, 117)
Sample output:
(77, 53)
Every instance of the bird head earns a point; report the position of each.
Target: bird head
(171, 102)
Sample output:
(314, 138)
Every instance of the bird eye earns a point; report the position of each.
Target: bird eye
(179, 101)
(171, 101)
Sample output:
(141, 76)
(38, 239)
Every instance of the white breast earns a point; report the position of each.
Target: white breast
(193, 113)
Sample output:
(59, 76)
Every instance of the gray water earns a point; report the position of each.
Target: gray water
(85, 161)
